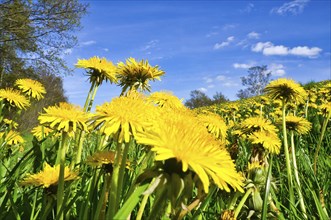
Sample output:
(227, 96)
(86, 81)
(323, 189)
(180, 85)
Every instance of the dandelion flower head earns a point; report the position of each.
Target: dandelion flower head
(14, 98)
(194, 149)
(100, 69)
(123, 117)
(166, 100)
(31, 87)
(286, 90)
(12, 137)
(64, 117)
(48, 176)
(134, 75)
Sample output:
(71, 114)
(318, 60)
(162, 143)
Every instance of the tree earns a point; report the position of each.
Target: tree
(35, 34)
(257, 79)
(200, 99)
(219, 98)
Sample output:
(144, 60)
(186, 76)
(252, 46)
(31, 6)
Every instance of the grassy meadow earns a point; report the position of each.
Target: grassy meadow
(144, 155)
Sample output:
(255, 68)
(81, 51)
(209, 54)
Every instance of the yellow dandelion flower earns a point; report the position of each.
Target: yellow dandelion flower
(194, 149)
(166, 100)
(228, 215)
(31, 87)
(135, 75)
(41, 132)
(214, 124)
(12, 138)
(253, 124)
(64, 117)
(325, 108)
(49, 176)
(123, 117)
(254, 165)
(10, 123)
(99, 69)
(14, 98)
(286, 90)
(101, 157)
(297, 124)
(269, 140)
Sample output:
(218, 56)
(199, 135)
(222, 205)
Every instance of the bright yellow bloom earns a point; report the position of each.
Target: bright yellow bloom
(12, 138)
(325, 108)
(214, 124)
(286, 90)
(166, 100)
(10, 123)
(41, 132)
(253, 124)
(123, 117)
(269, 140)
(194, 149)
(135, 75)
(297, 124)
(64, 117)
(49, 176)
(14, 98)
(100, 158)
(31, 87)
(99, 69)
(254, 165)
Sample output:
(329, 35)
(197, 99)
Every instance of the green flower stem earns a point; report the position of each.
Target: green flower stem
(131, 202)
(267, 190)
(79, 149)
(142, 207)
(296, 175)
(113, 200)
(88, 98)
(89, 106)
(242, 202)
(122, 172)
(287, 158)
(60, 189)
(158, 203)
(101, 208)
(325, 123)
(49, 206)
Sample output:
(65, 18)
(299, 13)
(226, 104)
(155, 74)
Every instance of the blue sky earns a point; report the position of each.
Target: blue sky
(204, 45)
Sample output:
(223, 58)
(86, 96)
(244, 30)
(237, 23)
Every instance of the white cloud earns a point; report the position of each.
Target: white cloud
(88, 43)
(207, 79)
(306, 51)
(260, 46)
(210, 86)
(294, 7)
(248, 8)
(277, 69)
(230, 84)
(220, 77)
(276, 50)
(106, 49)
(212, 34)
(268, 49)
(151, 44)
(202, 89)
(229, 26)
(224, 43)
(253, 35)
(242, 65)
(68, 51)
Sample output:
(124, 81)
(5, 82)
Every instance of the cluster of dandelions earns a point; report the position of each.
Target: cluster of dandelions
(186, 148)
(149, 153)
(12, 102)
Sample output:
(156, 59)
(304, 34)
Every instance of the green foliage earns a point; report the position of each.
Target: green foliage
(200, 99)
